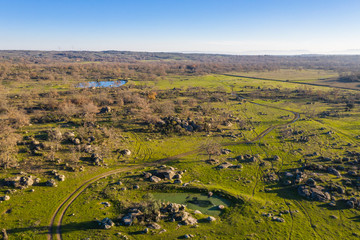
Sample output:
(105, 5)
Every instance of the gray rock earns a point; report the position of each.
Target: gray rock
(5, 198)
(288, 175)
(87, 148)
(212, 161)
(54, 134)
(106, 204)
(177, 176)
(69, 135)
(224, 165)
(147, 175)
(155, 179)
(51, 183)
(313, 193)
(154, 226)
(333, 171)
(125, 152)
(190, 221)
(278, 219)
(4, 234)
(127, 220)
(287, 182)
(123, 236)
(165, 174)
(225, 151)
(76, 141)
(106, 223)
(353, 203)
(311, 182)
(106, 109)
(12, 181)
(177, 181)
(61, 177)
(210, 219)
(26, 181)
(240, 158)
(276, 158)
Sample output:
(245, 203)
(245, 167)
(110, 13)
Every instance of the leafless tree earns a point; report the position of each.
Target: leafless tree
(211, 148)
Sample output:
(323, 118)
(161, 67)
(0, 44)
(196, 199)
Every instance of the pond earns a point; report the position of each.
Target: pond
(91, 84)
(195, 201)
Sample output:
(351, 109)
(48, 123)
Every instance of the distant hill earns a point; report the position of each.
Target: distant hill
(330, 62)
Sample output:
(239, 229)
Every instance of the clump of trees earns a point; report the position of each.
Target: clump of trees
(8, 142)
(353, 77)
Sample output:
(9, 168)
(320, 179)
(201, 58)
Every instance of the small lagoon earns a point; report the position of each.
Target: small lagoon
(196, 201)
(103, 84)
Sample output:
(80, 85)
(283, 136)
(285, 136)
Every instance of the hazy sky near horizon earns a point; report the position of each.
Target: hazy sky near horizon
(221, 26)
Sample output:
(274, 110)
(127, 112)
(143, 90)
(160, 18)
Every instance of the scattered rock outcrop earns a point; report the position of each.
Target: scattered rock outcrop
(315, 193)
(353, 203)
(163, 173)
(106, 223)
(171, 212)
(248, 158)
(277, 219)
(96, 159)
(176, 124)
(21, 182)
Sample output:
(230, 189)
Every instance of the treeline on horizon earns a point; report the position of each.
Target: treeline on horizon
(55, 65)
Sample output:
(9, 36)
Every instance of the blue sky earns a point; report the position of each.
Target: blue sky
(221, 26)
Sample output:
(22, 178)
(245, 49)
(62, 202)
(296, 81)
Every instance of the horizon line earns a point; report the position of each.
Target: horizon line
(349, 52)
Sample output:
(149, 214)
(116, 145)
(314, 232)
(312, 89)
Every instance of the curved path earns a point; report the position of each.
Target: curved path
(58, 215)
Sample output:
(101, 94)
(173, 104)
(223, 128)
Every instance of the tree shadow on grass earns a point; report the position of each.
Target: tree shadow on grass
(137, 232)
(340, 205)
(66, 228)
(355, 219)
(286, 192)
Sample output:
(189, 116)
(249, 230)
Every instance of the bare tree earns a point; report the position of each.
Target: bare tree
(211, 148)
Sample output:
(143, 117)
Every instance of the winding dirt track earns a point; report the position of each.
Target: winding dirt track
(64, 205)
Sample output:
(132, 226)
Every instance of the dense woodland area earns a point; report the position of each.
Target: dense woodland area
(159, 63)
(52, 65)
